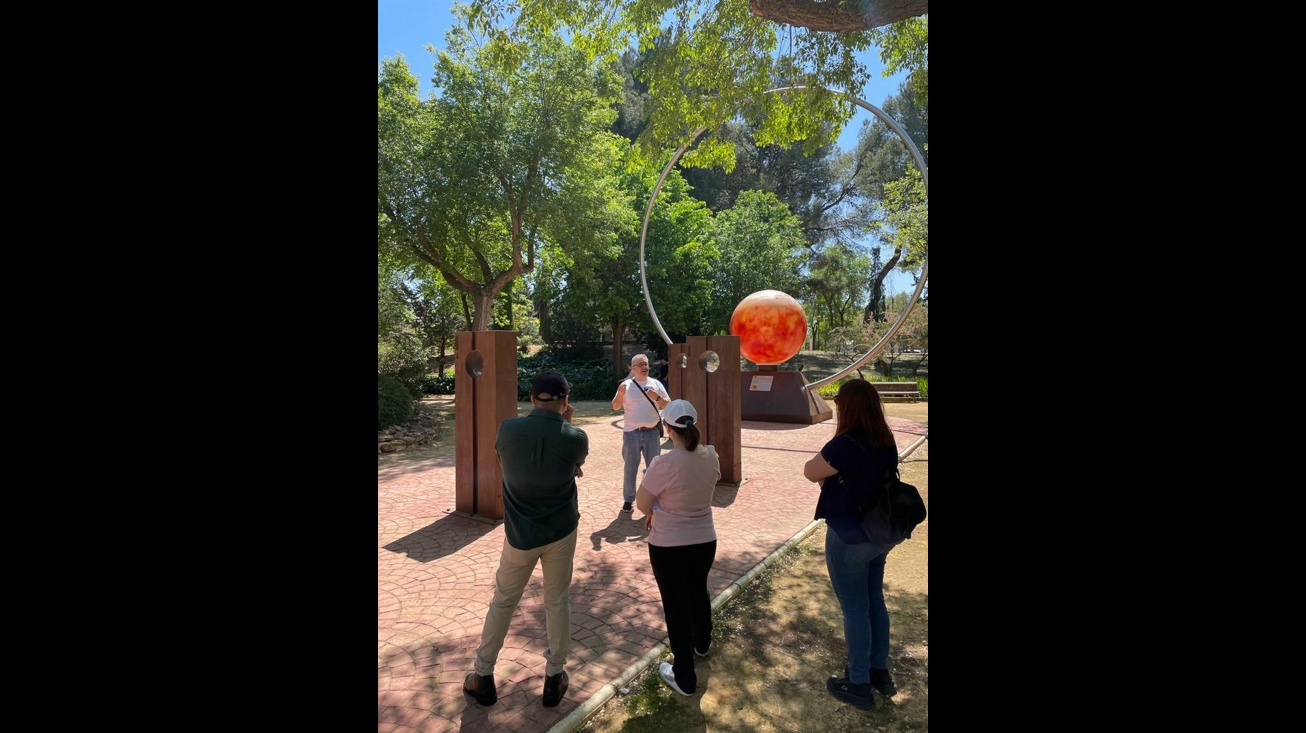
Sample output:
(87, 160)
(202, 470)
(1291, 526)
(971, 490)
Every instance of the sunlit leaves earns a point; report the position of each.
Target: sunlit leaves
(711, 57)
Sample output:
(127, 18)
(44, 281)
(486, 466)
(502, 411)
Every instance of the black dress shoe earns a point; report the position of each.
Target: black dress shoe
(555, 686)
(481, 688)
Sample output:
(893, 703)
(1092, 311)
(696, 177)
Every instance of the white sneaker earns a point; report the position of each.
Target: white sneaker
(669, 677)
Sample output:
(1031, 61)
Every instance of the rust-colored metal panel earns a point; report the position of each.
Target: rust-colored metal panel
(694, 387)
(464, 387)
(675, 372)
(496, 401)
(485, 385)
(723, 408)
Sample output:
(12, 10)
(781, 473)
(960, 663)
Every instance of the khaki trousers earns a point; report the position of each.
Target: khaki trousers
(515, 568)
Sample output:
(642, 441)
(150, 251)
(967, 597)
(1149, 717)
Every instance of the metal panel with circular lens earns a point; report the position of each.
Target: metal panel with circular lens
(709, 361)
(475, 364)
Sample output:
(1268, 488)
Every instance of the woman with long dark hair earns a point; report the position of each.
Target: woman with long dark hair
(861, 451)
(676, 499)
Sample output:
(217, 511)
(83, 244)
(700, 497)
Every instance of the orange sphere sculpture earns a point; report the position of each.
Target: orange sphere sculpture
(771, 327)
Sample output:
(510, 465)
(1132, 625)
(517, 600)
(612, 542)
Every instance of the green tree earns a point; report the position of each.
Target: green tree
(603, 288)
(473, 179)
(836, 280)
(683, 263)
(905, 46)
(906, 222)
(713, 59)
(914, 333)
(436, 312)
(400, 353)
(892, 187)
(881, 153)
(761, 247)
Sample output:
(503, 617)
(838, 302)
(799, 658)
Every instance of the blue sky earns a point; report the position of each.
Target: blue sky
(406, 26)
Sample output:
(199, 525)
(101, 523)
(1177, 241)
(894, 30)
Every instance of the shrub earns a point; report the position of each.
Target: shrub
(394, 405)
(830, 391)
(438, 383)
(590, 377)
(401, 356)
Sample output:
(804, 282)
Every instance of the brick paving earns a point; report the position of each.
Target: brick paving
(435, 577)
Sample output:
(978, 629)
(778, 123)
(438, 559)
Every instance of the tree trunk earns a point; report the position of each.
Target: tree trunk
(618, 336)
(483, 300)
(542, 310)
(874, 311)
(507, 291)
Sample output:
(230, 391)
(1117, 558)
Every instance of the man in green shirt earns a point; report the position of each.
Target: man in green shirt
(541, 456)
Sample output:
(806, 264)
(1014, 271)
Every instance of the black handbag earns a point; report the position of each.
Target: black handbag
(662, 430)
(889, 515)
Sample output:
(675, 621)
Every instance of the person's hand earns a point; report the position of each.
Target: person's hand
(579, 472)
(648, 523)
(567, 412)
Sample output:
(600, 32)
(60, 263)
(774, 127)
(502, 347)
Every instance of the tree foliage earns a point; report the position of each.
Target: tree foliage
(905, 46)
(708, 60)
(839, 16)
(761, 247)
(889, 181)
(473, 179)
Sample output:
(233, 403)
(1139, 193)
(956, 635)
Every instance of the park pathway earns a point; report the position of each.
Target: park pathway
(435, 576)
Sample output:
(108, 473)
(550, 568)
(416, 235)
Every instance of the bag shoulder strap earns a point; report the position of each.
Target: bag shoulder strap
(650, 399)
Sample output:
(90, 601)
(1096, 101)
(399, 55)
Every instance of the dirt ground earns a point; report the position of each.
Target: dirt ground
(777, 642)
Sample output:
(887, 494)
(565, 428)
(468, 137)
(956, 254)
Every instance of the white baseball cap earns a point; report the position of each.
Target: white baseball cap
(679, 413)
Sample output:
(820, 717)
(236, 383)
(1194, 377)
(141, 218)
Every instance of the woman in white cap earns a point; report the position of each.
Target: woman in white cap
(676, 499)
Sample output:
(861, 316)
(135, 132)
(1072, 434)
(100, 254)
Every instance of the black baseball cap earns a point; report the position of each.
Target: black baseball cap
(549, 386)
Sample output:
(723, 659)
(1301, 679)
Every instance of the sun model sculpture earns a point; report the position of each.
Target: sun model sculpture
(771, 327)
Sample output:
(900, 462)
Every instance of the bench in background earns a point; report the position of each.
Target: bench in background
(898, 391)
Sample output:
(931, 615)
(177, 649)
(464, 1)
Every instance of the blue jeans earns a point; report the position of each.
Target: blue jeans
(636, 443)
(857, 574)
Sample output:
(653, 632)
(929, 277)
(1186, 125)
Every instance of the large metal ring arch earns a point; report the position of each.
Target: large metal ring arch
(925, 269)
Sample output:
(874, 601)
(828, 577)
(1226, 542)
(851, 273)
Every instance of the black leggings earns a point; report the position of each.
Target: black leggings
(681, 573)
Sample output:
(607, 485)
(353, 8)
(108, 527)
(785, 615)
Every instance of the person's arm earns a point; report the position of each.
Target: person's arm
(583, 455)
(643, 497)
(621, 394)
(661, 397)
(816, 469)
(644, 500)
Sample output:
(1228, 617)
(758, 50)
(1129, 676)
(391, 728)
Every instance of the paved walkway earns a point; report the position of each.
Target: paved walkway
(435, 577)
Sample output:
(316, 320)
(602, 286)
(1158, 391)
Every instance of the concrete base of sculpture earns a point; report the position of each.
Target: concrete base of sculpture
(770, 395)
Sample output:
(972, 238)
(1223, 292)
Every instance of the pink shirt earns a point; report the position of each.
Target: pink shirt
(682, 484)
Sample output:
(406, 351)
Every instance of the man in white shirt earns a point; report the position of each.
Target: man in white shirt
(640, 432)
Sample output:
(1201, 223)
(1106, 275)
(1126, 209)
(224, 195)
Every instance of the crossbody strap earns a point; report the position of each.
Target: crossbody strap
(650, 399)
